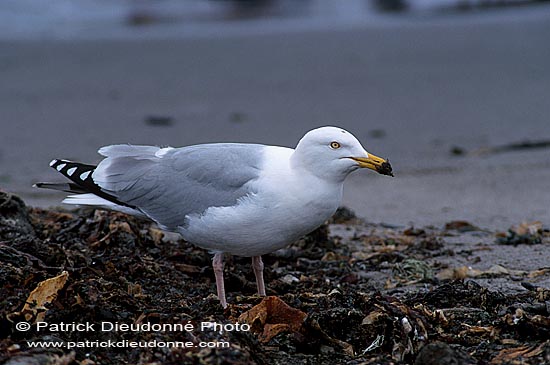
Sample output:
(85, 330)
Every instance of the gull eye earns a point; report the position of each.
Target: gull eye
(334, 145)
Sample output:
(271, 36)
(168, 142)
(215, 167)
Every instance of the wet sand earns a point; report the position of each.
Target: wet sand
(409, 93)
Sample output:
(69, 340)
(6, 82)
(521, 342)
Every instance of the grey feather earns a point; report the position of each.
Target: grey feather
(127, 150)
(169, 184)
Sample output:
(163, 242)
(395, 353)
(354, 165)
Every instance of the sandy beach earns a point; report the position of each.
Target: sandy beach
(458, 101)
(411, 93)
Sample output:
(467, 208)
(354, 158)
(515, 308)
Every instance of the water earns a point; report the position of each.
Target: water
(108, 19)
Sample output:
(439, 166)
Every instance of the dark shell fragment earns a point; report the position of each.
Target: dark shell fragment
(385, 168)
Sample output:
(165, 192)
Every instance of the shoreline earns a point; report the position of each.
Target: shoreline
(409, 94)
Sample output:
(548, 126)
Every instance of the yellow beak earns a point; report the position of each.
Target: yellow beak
(375, 163)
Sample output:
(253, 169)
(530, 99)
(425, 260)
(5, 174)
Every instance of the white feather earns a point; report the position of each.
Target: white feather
(94, 200)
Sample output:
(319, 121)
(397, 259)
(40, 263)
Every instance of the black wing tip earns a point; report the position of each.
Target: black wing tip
(82, 181)
(78, 173)
(73, 170)
(66, 187)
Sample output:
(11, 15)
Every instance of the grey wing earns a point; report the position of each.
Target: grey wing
(168, 184)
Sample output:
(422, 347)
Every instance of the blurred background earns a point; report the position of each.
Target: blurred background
(455, 93)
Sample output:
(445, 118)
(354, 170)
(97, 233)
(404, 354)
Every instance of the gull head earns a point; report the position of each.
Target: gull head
(332, 153)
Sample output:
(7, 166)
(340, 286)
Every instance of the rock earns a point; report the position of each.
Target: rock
(290, 279)
(14, 217)
(343, 215)
(460, 226)
(439, 353)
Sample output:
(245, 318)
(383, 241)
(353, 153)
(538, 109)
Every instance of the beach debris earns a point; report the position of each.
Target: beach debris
(460, 226)
(457, 151)
(289, 279)
(521, 354)
(343, 215)
(238, 117)
(464, 272)
(273, 316)
(159, 120)
(328, 302)
(390, 318)
(414, 232)
(44, 294)
(440, 353)
(529, 233)
(377, 133)
(509, 147)
(412, 271)
(378, 342)
(14, 217)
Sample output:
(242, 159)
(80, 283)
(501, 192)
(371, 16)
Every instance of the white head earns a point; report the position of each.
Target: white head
(332, 153)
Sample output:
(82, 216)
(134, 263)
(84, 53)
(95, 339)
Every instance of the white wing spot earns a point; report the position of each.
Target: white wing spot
(61, 166)
(71, 171)
(84, 175)
(53, 162)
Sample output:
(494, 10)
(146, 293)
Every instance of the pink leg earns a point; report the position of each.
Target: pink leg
(217, 264)
(258, 267)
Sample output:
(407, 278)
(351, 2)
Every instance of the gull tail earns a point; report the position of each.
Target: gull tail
(86, 191)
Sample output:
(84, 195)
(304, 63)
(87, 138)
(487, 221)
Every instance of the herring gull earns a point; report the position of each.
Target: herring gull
(241, 199)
